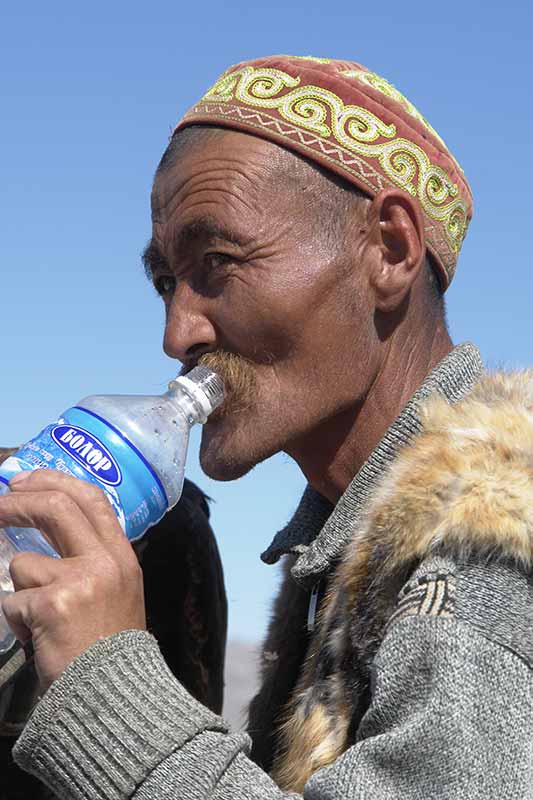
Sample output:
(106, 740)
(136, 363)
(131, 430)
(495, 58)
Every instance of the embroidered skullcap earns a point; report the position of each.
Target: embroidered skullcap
(353, 123)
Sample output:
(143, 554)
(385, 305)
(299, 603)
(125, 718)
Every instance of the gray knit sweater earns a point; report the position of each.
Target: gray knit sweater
(451, 713)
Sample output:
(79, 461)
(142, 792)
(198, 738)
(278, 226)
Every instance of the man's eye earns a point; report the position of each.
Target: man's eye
(165, 284)
(216, 260)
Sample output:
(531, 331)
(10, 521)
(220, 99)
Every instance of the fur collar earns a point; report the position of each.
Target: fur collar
(464, 486)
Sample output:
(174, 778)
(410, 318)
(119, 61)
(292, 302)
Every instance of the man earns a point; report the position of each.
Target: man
(302, 238)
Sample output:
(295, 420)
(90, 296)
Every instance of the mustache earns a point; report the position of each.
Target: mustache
(236, 372)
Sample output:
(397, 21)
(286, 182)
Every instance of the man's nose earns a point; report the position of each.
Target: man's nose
(189, 332)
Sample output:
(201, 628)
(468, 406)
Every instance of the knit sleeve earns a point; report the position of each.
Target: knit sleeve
(451, 717)
(117, 724)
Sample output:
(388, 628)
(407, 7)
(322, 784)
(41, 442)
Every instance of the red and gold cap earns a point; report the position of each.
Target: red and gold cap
(353, 123)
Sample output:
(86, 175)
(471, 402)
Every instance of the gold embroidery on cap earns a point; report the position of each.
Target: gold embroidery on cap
(383, 86)
(356, 129)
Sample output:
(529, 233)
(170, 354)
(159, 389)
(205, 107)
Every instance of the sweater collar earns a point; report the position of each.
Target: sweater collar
(319, 531)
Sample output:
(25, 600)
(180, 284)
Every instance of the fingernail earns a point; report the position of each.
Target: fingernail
(20, 476)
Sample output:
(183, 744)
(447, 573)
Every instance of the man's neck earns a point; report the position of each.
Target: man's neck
(335, 452)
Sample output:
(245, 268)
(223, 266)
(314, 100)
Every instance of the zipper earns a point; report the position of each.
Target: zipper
(313, 603)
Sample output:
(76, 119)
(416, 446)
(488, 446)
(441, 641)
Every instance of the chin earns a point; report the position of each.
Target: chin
(225, 458)
(219, 470)
(222, 467)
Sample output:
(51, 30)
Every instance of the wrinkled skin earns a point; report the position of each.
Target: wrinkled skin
(306, 312)
(282, 299)
(337, 334)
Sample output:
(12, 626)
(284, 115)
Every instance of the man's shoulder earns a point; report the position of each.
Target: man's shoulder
(465, 484)
(449, 531)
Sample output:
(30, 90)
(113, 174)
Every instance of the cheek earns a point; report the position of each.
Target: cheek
(279, 315)
(263, 330)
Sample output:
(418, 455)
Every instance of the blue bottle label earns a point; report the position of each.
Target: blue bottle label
(88, 451)
(84, 445)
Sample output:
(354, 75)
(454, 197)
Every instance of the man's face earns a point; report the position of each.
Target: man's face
(243, 267)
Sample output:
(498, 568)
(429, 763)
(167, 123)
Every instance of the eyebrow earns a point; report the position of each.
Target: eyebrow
(153, 260)
(201, 229)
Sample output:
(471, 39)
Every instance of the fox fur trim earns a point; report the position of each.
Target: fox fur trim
(463, 488)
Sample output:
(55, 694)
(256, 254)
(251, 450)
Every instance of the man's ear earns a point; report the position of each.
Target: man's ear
(399, 247)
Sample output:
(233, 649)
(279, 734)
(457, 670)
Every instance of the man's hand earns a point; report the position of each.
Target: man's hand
(95, 590)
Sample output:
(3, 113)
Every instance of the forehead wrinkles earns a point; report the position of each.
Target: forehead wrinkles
(221, 180)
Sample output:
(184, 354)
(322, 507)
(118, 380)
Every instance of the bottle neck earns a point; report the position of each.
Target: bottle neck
(186, 404)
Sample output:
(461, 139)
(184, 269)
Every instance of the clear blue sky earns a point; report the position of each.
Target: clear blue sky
(89, 95)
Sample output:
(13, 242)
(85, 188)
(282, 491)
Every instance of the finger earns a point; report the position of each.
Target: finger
(29, 570)
(53, 513)
(90, 498)
(16, 608)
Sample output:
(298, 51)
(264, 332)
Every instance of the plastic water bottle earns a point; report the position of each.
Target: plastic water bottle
(131, 447)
